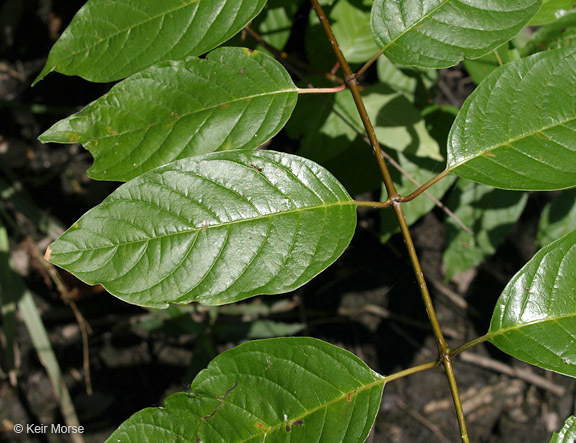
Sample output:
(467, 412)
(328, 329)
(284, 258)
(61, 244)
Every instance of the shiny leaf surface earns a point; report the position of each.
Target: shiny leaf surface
(568, 432)
(516, 131)
(233, 99)
(268, 390)
(440, 33)
(214, 229)
(535, 317)
(108, 41)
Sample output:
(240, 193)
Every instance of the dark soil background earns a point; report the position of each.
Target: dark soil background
(368, 302)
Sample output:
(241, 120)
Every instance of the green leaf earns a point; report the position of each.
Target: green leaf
(558, 34)
(397, 123)
(108, 41)
(404, 79)
(567, 434)
(558, 218)
(214, 229)
(275, 25)
(234, 99)
(268, 390)
(480, 68)
(551, 10)
(516, 130)
(351, 26)
(440, 33)
(422, 170)
(535, 317)
(490, 213)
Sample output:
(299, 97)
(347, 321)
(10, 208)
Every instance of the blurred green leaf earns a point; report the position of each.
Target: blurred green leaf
(558, 34)
(275, 389)
(108, 41)
(481, 67)
(568, 432)
(397, 123)
(558, 218)
(551, 10)
(440, 33)
(516, 130)
(214, 229)
(490, 213)
(535, 317)
(405, 79)
(233, 99)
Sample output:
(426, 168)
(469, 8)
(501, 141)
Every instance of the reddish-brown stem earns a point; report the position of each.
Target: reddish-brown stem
(321, 90)
(369, 63)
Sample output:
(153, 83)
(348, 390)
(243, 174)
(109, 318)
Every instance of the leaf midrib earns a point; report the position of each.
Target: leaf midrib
(345, 395)
(415, 24)
(194, 230)
(510, 141)
(535, 322)
(209, 108)
(89, 48)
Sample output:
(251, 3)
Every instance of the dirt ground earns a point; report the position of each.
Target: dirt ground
(367, 302)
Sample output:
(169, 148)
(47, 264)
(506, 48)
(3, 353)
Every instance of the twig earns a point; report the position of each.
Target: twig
(423, 421)
(66, 298)
(525, 374)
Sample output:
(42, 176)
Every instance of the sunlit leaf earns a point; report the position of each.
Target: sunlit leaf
(490, 213)
(268, 390)
(535, 317)
(214, 229)
(110, 40)
(568, 432)
(516, 130)
(233, 99)
(440, 33)
(551, 10)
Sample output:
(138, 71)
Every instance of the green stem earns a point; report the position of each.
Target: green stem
(369, 63)
(371, 204)
(425, 186)
(410, 371)
(468, 345)
(396, 200)
(321, 90)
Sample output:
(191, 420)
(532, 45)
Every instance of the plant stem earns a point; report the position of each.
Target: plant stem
(352, 83)
(396, 200)
(425, 186)
(321, 90)
(468, 345)
(371, 204)
(369, 63)
(410, 371)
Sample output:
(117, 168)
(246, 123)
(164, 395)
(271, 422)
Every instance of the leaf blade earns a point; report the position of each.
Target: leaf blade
(213, 229)
(515, 131)
(440, 33)
(108, 41)
(308, 403)
(233, 99)
(535, 317)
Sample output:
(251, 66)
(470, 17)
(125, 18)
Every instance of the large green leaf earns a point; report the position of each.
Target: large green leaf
(440, 33)
(568, 432)
(535, 317)
(110, 40)
(214, 229)
(516, 130)
(281, 390)
(490, 213)
(558, 218)
(234, 99)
